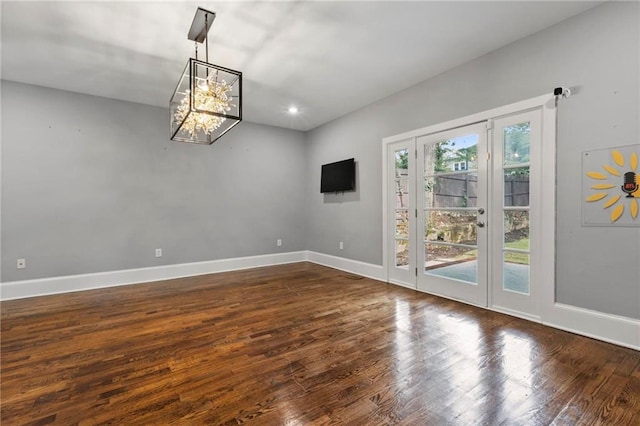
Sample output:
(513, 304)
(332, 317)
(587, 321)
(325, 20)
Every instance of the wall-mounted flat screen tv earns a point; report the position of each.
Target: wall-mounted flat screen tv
(339, 176)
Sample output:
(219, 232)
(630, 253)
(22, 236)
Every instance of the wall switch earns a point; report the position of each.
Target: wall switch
(279, 243)
(341, 245)
(159, 252)
(22, 263)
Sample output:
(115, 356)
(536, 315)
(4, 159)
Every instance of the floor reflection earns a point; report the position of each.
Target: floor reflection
(463, 362)
(289, 414)
(517, 366)
(404, 345)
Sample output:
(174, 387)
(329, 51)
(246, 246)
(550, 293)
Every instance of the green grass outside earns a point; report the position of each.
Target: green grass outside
(513, 257)
(509, 256)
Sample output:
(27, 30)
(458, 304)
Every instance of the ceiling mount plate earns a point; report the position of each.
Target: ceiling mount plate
(199, 29)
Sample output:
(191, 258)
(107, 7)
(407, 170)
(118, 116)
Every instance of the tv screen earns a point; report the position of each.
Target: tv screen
(338, 176)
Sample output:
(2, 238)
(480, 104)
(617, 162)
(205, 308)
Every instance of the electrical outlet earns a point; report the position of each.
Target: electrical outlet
(22, 263)
(341, 245)
(159, 252)
(279, 243)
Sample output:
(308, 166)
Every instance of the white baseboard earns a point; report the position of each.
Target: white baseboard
(66, 284)
(614, 329)
(368, 270)
(513, 313)
(402, 284)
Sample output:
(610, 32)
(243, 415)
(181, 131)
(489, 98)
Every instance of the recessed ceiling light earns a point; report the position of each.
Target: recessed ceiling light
(293, 110)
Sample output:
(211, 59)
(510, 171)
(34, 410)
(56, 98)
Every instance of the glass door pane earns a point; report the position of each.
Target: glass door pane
(451, 244)
(400, 212)
(451, 180)
(453, 190)
(516, 147)
(401, 186)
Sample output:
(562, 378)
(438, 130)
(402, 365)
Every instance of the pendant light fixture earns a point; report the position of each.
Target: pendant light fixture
(207, 102)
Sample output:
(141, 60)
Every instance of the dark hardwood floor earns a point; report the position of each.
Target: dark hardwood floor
(299, 344)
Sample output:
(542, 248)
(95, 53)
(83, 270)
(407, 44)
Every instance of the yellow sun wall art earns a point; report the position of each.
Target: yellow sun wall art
(611, 186)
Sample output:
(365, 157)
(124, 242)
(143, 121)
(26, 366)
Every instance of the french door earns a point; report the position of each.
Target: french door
(517, 200)
(452, 225)
(401, 205)
(462, 210)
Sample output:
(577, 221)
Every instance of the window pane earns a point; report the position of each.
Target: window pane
(516, 143)
(516, 229)
(402, 223)
(401, 188)
(451, 226)
(451, 155)
(402, 163)
(458, 263)
(402, 254)
(516, 187)
(455, 190)
(515, 272)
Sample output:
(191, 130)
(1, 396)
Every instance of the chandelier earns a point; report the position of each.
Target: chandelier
(207, 102)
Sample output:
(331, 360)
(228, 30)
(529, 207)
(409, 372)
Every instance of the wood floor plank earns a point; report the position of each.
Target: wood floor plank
(298, 344)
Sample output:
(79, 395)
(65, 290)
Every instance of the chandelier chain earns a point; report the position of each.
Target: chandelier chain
(206, 39)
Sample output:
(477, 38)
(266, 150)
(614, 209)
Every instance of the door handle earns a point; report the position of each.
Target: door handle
(480, 224)
(480, 210)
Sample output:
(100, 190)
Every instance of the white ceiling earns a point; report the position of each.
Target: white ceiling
(327, 58)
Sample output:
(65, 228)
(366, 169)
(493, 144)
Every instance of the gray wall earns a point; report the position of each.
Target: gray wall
(597, 54)
(93, 184)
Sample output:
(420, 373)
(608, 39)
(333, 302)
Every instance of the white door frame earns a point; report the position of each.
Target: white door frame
(547, 105)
